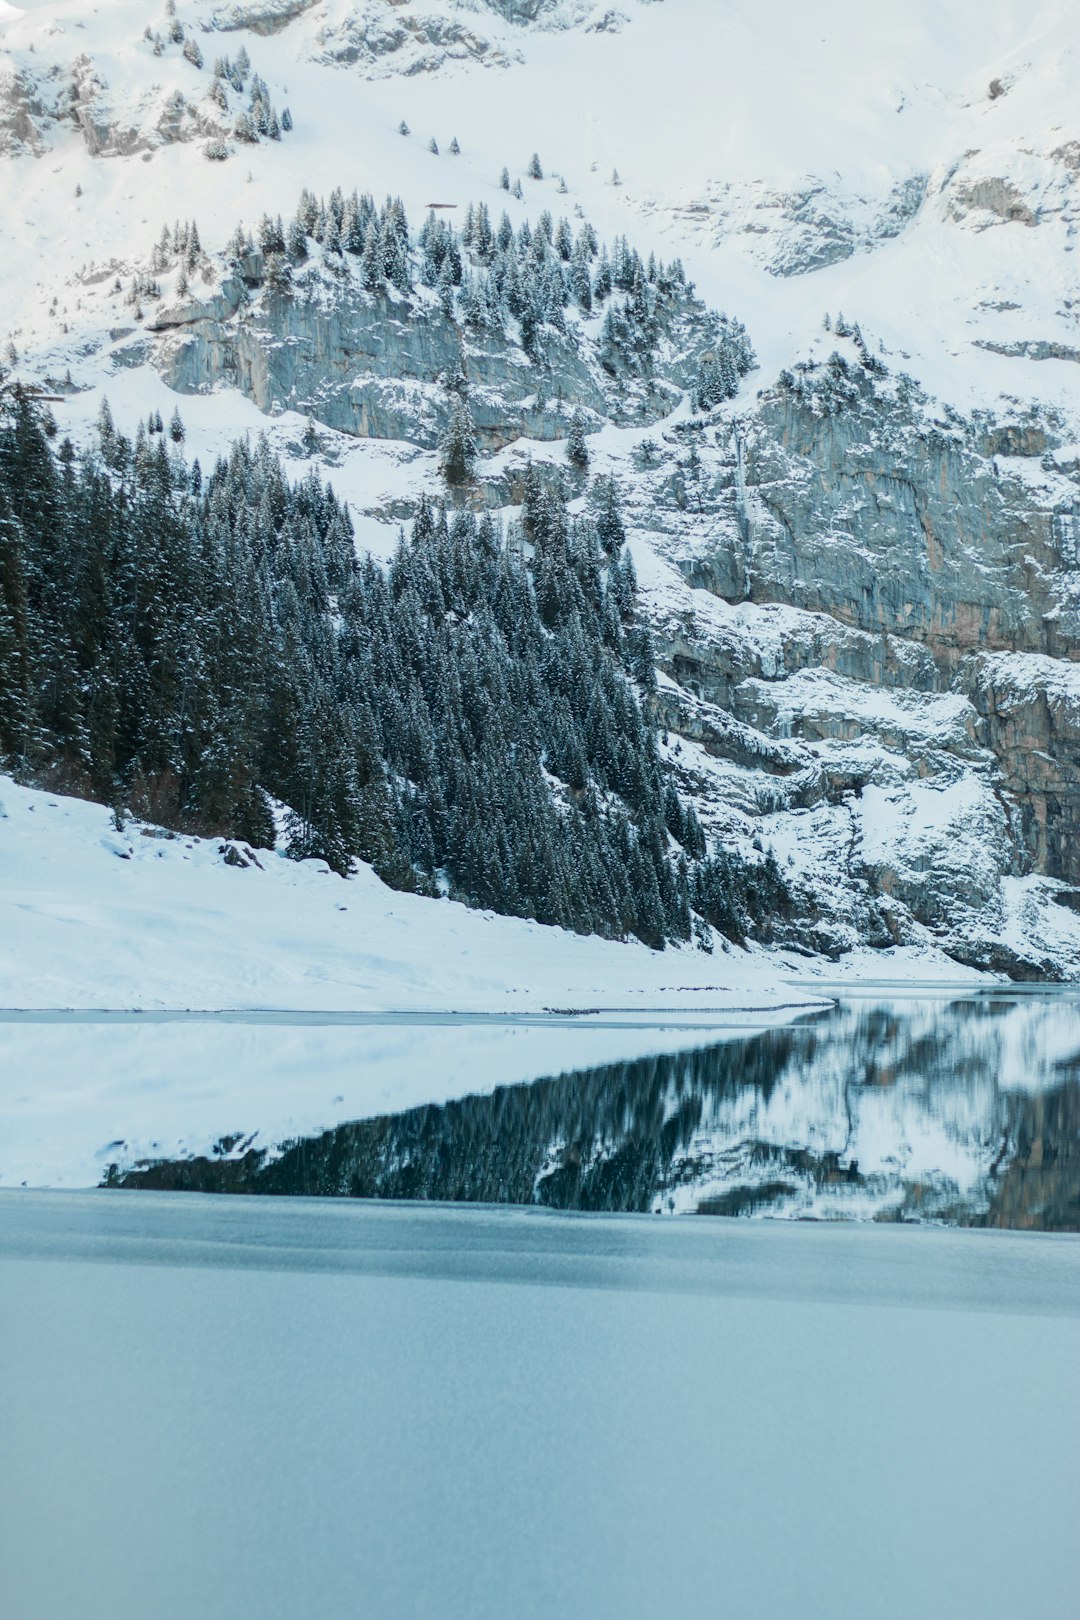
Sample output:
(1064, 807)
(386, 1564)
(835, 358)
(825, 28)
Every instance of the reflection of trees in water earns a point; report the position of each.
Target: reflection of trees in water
(772, 1122)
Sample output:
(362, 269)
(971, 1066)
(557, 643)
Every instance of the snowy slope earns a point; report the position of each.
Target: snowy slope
(916, 167)
(93, 917)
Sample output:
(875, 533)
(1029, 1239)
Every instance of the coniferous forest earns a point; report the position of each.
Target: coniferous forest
(474, 719)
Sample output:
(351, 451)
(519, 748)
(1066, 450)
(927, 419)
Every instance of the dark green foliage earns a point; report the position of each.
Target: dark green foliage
(721, 368)
(458, 449)
(577, 449)
(740, 897)
(837, 385)
(168, 642)
(490, 278)
(467, 719)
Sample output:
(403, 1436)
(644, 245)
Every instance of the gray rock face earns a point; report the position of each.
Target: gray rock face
(888, 684)
(385, 40)
(805, 226)
(259, 16)
(1030, 709)
(900, 530)
(23, 110)
(77, 94)
(995, 196)
(376, 365)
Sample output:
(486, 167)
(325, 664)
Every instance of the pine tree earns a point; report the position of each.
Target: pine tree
(535, 171)
(577, 450)
(481, 709)
(457, 450)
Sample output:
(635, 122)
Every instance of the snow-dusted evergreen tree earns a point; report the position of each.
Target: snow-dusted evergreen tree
(198, 644)
(535, 170)
(458, 448)
(577, 450)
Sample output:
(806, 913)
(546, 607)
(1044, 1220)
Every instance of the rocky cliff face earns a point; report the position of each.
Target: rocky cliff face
(881, 627)
(866, 605)
(378, 365)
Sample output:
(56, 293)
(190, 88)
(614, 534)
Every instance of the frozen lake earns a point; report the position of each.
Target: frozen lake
(284, 1407)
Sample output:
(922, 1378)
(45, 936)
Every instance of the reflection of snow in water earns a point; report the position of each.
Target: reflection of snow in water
(78, 1094)
(918, 1108)
(904, 1107)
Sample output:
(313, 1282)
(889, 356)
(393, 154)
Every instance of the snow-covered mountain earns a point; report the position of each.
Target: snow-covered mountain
(862, 569)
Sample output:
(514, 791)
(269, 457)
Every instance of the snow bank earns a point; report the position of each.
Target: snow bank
(92, 917)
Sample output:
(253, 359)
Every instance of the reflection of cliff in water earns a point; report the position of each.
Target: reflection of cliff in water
(966, 1111)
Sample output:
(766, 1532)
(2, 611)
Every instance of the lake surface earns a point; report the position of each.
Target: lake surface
(961, 1108)
(539, 1400)
(282, 1408)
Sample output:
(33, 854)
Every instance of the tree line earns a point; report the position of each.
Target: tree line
(474, 719)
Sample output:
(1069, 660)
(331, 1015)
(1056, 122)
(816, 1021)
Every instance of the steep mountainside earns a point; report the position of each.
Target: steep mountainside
(841, 403)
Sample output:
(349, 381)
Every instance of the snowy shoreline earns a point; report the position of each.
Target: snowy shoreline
(94, 918)
(207, 1001)
(98, 918)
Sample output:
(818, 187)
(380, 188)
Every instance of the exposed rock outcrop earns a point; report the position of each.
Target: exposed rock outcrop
(377, 365)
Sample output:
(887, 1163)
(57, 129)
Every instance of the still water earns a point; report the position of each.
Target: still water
(268, 1409)
(524, 1395)
(946, 1107)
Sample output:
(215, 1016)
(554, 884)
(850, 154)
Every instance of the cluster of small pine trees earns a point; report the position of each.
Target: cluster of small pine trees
(181, 245)
(738, 898)
(829, 389)
(475, 718)
(530, 769)
(826, 390)
(489, 275)
(718, 377)
(259, 117)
